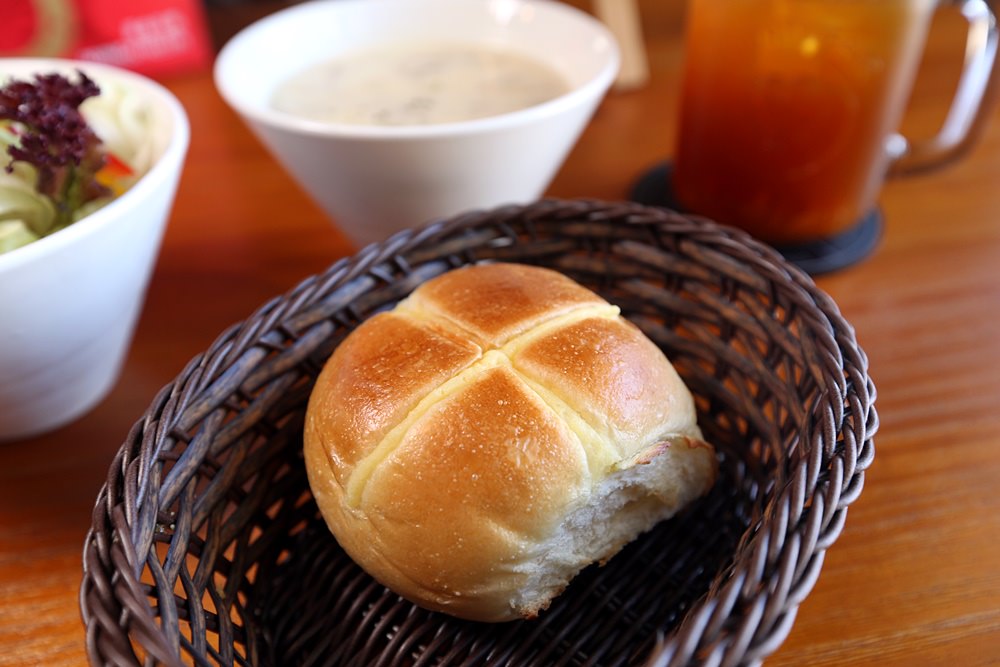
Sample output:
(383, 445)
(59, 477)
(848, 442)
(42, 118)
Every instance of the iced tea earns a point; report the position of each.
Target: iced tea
(786, 108)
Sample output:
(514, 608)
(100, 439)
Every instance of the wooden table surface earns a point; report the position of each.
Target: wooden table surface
(914, 578)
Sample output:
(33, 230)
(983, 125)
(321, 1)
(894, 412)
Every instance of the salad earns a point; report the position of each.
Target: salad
(67, 148)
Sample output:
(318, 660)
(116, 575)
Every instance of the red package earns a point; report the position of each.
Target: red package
(154, 37)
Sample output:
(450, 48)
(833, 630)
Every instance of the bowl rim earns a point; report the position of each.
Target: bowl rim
(263, 115)
(158, 173)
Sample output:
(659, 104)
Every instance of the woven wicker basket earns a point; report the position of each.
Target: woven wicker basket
(207, 549)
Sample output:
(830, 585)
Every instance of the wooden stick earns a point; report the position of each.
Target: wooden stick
(623, 20)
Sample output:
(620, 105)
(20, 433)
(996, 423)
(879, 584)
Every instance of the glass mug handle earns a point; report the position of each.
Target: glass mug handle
(972, 103)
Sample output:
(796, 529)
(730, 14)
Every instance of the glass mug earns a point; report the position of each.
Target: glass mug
(789, 109)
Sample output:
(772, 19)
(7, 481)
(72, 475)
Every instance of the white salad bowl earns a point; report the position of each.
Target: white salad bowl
(374, 180)
(69, 302)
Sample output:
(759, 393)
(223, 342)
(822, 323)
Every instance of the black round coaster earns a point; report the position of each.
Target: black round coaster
(815, 258)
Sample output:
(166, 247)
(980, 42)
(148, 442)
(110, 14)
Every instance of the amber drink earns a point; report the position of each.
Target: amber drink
(787, 107)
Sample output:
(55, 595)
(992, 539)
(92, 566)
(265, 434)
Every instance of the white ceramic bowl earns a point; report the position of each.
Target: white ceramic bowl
(375, 180)
(69, 301)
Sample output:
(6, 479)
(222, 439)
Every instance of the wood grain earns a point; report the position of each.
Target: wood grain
(915, 577)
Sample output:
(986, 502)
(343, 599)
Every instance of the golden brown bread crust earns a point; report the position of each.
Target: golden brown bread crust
(494, 302)
(447, 440)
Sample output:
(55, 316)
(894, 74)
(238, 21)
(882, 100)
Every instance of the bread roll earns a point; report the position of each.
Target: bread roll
(498, 431)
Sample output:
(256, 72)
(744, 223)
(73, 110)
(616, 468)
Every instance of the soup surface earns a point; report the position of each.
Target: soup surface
(418, 84)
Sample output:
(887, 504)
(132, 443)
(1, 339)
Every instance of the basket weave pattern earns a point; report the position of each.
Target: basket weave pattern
(207, 548)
